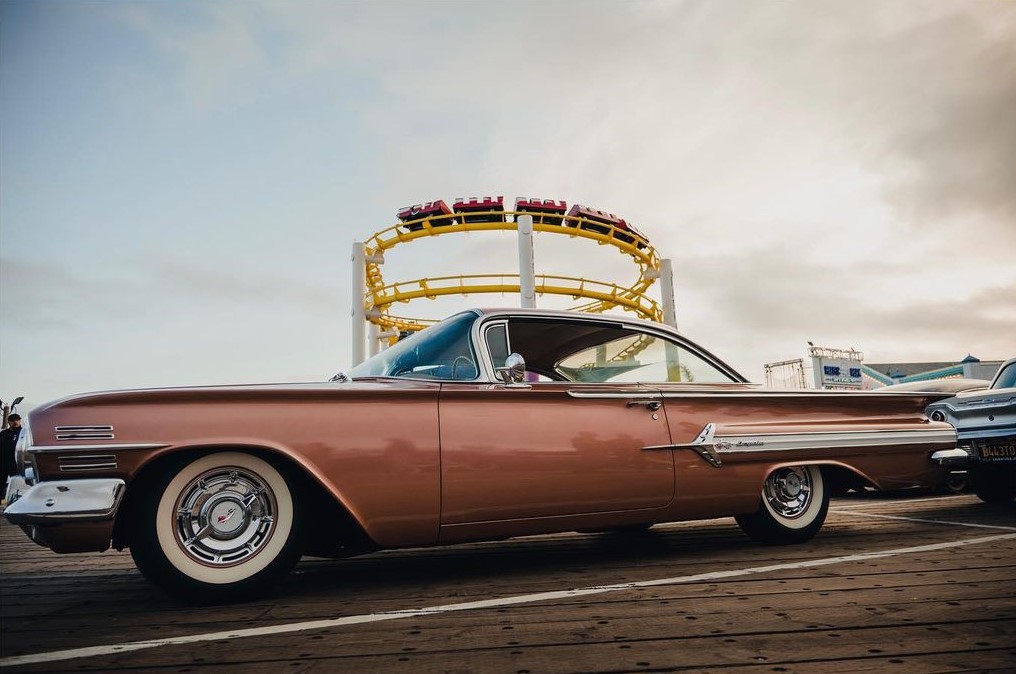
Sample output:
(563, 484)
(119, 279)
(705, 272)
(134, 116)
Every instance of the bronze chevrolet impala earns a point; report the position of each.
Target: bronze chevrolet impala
(492, 423)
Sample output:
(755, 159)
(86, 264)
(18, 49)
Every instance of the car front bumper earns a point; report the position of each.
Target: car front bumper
(66, 515)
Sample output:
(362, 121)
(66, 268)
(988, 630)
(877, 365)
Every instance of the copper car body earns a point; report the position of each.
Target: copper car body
(618, 423)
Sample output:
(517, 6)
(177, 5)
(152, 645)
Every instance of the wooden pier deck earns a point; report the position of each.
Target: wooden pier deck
(891, 584)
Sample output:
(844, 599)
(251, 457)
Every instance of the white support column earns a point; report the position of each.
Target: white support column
(527, 265)
(373, 339)
(816, 370)
(384, 335)
(358, 333)
(667, 293)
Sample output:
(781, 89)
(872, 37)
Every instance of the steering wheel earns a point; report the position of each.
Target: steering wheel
(404, 364)
(455, 364)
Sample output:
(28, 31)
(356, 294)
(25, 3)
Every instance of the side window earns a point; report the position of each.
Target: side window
(497, 344)
(639, 358)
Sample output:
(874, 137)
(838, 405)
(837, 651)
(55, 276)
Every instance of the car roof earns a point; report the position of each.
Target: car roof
(574, 315)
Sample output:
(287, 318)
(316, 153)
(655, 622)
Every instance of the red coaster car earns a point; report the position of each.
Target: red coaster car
(591, 216)
(485, 209)
(431, 209)
(554, 210)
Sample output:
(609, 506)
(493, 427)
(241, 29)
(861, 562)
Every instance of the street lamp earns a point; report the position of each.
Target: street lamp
(8, 410)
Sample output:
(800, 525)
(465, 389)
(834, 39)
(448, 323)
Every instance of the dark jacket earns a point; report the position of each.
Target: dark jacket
(8, 439)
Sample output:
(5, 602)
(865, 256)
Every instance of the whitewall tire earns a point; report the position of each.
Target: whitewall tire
(218, 527)
(793, 507)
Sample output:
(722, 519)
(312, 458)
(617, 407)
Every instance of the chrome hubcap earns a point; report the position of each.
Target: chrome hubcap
(788, 491)
(225, 516)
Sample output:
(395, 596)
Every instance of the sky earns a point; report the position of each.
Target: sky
(181, 182)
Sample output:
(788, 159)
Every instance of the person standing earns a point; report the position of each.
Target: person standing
(8, 440)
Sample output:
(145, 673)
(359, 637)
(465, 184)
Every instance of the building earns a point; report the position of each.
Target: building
(877, 375)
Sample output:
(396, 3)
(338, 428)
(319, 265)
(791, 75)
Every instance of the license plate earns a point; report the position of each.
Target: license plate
(1001, 450)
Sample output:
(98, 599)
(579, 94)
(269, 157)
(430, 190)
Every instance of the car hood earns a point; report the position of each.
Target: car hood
(241, 391)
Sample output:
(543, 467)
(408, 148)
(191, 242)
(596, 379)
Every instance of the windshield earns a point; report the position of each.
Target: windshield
(1007, 377)
(442, 351)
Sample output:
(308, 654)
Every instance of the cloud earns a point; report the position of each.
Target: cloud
(213, 51)
(766, 307)
(47, 296)
(699, 101)
(840, 172)
(930, 106)
(173, 275)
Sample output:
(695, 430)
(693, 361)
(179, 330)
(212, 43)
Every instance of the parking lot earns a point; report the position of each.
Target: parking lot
(902, 584)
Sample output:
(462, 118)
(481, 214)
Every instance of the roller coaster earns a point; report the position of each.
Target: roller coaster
(485, 214)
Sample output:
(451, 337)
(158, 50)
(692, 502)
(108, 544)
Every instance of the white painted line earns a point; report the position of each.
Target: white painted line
(113, 649)
(868, 504)
(924, 520)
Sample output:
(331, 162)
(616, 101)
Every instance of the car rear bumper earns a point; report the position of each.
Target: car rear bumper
(953, 458)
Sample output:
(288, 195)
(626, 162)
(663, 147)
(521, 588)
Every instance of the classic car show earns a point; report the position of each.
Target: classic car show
(518, 337)
(631, 425)
(512, 423)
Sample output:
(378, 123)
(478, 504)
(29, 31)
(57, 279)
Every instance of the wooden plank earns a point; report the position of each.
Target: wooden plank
(458, 650)
(950, 606)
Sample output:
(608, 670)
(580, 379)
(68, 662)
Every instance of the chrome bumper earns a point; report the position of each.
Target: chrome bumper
(952, 457)
(66, 501)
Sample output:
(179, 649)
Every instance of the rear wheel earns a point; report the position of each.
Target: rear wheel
(954, 483)
(221, 527)
(995, 485)
(793, 508)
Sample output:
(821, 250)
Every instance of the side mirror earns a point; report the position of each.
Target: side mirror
(17, 401)
(514, 370)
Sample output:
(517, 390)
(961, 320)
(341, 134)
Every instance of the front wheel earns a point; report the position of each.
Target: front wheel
(793, 508)
(221, 527)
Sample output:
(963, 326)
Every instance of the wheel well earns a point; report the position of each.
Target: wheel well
(333, 531)
(841, 479)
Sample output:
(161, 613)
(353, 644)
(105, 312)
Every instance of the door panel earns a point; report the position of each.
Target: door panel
(510, 453)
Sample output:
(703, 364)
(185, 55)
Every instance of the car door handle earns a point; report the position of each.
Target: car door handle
(651, 404)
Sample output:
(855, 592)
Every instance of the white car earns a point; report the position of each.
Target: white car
(985, 422)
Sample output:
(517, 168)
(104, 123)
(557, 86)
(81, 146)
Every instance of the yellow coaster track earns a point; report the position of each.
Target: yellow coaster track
(381, 296)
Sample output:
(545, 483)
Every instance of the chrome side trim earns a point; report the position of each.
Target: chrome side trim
(66, 501)
(804, 393)
(704, 444)
(72, 429)
(83, 462)
(712, 447)
(84, 432)
(741, 392)
(617, 395)
(45, 449)
(84, 436)
(785, 442)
